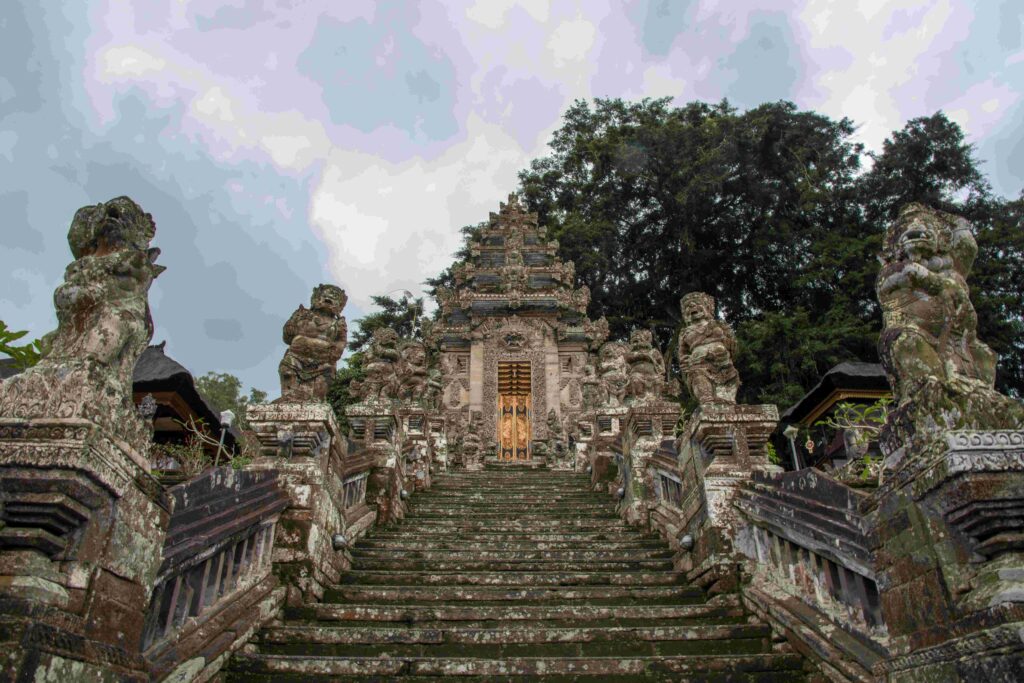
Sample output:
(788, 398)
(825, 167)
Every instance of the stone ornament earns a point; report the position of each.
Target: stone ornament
(614, 373)
(942, 375)
(382, 382)
(316, 339)
(646, 367)
(706, 349)
(103, 326)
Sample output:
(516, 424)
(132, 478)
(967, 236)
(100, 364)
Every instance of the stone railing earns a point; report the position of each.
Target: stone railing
(215, 586)
(815, 575)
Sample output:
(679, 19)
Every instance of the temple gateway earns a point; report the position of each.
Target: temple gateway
(514, 337)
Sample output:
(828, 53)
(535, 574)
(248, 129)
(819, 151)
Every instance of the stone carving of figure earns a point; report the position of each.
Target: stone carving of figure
(614, 372)
(382, 358)
(646, 367)
(706, 349)
(103, 325)
(929, 345)
(316, 339)
(412, 371)
(472, 445)
(556, 435)
(593, 392)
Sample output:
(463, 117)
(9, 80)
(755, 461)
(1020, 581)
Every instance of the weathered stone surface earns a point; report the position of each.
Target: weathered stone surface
(316, 339)
(706, 349)
(942, 375)
(81, 519)
(382, 382)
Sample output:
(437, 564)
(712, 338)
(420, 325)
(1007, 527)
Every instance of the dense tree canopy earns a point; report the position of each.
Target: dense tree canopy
(771, 211)
(224, 392)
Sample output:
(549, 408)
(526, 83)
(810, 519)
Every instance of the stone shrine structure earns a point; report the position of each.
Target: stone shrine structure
(514, 336)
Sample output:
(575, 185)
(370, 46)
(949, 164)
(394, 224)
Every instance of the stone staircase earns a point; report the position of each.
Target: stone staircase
(514, 574)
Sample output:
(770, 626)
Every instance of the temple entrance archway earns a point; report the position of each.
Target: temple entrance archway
(514, 410)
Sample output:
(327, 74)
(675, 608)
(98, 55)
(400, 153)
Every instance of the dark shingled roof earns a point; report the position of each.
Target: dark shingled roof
(155, 371)
(850, 375)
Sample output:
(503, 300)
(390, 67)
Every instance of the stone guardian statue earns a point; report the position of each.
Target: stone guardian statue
(706, 349)
(942, 375)
(316, 339)
(103, 325)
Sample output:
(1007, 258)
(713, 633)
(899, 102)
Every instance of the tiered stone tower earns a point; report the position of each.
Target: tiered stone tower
(514, 339)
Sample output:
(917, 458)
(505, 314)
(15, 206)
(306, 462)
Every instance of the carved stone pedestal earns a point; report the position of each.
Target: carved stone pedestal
(376, 429)
(81, 530)
(727, 442)
(645, 427)
(418, 449)
(302, 441)
(952, 557)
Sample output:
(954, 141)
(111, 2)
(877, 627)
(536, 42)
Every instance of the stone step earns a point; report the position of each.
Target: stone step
(548, 595)
(552, 508)
(611, 524)
(371, 635)
(429, 578)
(396, 564)
(721, 607)
(494, 542)
(504, 554)
(305, 668)
(517, 514)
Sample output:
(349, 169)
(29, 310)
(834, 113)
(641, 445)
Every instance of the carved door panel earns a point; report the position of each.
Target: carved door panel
(514, 411)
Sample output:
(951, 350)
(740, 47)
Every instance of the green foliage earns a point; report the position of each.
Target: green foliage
(403, 315)
(224, 392)
(190, 456)
(769, 211)
(338, 394)
(25, 356)
(773, 456)
(865, 420)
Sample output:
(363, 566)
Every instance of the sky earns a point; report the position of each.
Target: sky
(281, 144)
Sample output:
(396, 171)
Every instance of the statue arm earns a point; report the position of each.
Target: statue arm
(291, 327)
(964, 248)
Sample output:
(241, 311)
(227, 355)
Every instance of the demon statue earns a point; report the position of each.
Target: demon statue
(316, 339)
(614, 373)
(706, 349)
(942, 375)
(103, 325)
(382, 381)
(646, 367)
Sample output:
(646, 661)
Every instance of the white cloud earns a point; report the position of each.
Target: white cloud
(491, 13)
(130, 60)
(380, 241)
(571, 41)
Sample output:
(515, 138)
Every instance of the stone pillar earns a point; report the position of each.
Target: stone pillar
(377, 429)
(82, 522)
(728, 443)
(644, 429)
(302, 442)
(81, 530)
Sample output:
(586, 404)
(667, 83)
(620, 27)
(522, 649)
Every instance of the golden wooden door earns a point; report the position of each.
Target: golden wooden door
(514, 410)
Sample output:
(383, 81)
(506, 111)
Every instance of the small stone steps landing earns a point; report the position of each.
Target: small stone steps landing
(514, 574)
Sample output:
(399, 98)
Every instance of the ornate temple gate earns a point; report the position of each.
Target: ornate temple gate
(514, 410)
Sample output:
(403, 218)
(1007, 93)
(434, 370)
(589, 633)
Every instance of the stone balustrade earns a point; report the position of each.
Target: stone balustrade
(215, 586)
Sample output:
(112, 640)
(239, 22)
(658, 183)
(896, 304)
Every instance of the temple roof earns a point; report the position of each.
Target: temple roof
(513, 269)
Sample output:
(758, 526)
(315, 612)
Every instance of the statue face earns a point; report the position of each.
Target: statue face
(640, 339)
(694, 312)
(329, 298)
(917, 238)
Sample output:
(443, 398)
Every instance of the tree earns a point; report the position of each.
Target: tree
(224, 392)
(403, 315)
(769, 211)
(759, 209)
